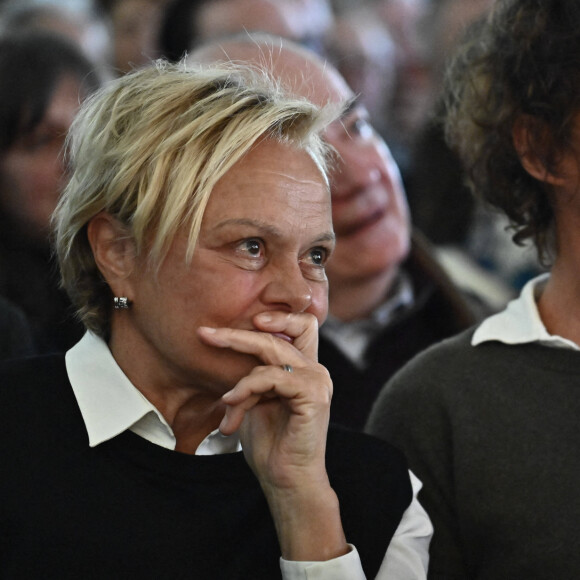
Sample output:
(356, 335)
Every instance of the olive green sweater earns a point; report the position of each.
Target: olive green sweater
(493, 432)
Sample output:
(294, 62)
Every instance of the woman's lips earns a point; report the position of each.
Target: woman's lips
(278, 335)
(283, 336)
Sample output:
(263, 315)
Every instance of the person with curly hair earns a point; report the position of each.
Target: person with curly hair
(489, 418)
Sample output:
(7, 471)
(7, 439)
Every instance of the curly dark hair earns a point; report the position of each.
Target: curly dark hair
(520, 64)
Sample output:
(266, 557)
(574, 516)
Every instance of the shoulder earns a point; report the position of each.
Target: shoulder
(426, 271)
(27, 380)
(36, 368)
(452, 376)
(457, 359)
(15, 332)
(39, 416)
(442, 357)
(428, 386)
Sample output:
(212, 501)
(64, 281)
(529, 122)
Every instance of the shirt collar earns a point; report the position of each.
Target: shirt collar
(110, 404)
(520, 322)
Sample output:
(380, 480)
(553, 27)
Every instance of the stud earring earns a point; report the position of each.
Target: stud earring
(121, 303)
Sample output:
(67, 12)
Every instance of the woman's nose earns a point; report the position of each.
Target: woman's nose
(287, 289)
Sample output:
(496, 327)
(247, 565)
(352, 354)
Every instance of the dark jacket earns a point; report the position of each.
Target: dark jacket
(440, 310)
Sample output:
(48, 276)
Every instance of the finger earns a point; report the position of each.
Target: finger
(235, 414)
(312, 389)
(300, 328)
(272, 380)
(268, 348)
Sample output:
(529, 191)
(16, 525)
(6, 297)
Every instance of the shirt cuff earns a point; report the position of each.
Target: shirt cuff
(347, 567)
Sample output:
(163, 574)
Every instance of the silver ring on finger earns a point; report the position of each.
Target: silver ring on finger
(287, 368)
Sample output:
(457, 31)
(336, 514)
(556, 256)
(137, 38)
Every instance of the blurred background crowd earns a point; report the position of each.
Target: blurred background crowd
(391, 52)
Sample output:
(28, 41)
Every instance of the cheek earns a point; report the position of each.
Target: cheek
(223, 299)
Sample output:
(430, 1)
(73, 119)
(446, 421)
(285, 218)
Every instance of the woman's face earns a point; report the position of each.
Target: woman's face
(32, 172)
(264, 241)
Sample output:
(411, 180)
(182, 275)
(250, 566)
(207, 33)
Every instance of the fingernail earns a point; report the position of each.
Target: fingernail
(207, 329)
(265, 317)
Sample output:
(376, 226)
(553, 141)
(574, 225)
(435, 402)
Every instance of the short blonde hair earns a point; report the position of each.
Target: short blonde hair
(149, 148)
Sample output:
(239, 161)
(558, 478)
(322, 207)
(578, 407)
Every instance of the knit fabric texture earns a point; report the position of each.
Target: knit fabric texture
(493, 432)
(130, 509)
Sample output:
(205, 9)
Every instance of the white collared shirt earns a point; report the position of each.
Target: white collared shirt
(520, 322)
(110, 404)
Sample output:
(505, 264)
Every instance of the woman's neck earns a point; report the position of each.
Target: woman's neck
(191, 413)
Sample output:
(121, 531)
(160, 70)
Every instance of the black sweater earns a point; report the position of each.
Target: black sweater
(130, 509)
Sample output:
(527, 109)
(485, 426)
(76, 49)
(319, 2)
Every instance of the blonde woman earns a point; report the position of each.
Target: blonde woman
(186, 434)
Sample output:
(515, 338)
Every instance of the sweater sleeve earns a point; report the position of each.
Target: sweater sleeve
(412, 414)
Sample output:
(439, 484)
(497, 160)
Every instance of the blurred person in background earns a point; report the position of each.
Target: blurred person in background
(43, 79)
(189, 23)
(406, 109)
(402, 70)
(388, 297)
(134, 27)
(363, 51)
(77, 21)
(472, 239)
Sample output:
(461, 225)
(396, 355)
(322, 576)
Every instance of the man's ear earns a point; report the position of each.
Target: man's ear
(114, 251)
(528, 154)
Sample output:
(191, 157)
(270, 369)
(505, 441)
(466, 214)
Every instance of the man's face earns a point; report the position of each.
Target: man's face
(369, 207)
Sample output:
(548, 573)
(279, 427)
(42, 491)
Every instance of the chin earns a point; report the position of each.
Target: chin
(230, 370)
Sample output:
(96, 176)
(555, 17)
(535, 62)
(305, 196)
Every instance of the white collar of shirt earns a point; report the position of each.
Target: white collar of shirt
(110, 404)
(520, 322)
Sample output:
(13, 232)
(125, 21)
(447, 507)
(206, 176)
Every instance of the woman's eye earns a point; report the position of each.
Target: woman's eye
(314, 263)
(318, 256)
(252, 247)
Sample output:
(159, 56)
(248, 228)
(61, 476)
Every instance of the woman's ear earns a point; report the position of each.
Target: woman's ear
(114, 251)
(528, 154)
